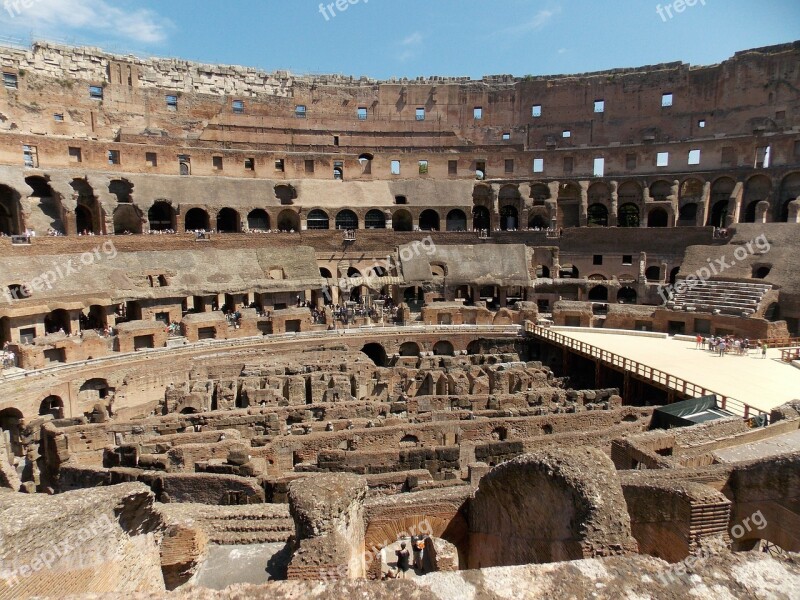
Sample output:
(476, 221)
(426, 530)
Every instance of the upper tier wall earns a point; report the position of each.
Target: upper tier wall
(752, 91)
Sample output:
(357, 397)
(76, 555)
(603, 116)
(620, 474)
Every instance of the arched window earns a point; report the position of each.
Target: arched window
(429, 220)
(346, 219)
(161, 217)
(597, 215)
(197, 219)
(628, 215)
(228, 221)
(318, 219)
(258, 220)
(375, 219)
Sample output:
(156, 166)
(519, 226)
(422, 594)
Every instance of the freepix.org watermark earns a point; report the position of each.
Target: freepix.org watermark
(72, 548)
(715, 267)
(16, 7)
(668, 11)
(332, 8)
(59, 272)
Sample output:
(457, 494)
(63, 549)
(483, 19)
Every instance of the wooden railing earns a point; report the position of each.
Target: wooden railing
(790, 354)
(793, 342)
(657, 377)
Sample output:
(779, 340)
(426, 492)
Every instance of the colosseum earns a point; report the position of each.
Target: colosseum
(268, 335)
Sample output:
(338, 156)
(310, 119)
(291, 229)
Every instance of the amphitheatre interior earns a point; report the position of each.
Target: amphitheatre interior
(259, 328)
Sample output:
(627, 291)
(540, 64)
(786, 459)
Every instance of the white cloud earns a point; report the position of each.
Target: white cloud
(62, 18)
(410, 46)
(539, 20)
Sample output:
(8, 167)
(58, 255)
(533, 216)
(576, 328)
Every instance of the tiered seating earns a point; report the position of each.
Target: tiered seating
(721, 297)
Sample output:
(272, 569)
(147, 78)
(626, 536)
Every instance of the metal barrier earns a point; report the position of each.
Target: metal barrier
(790, 354)
(656, 376)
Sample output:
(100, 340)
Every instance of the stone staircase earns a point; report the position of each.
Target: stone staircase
(721, 297)
(249, 524)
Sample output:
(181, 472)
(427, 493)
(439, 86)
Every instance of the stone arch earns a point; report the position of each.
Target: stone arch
(122, 189)
(653, 273)
(443, 348)
(790, 191)
(375, 219)
(288, 220)
(402, 220)
(658, 217)
(57, 320)
(537, 221)
(628, 215)
(318, 219)
(549, 507)
(161, 216)
(258, 220)
(346, 219)
(409, 349)
(569, 198)
(627, 295)
(721, 191)
(756, 189)
(89, 214)
(598, 293)
(94, 390)
(456, 220)
(509, 218)
(481, 218)
(376, 353)
(127, 219)
(49, 200)
(429, 220)
(52, 405)
(540, 192)
(630, 192)
(660, 190)
(11, 222)
(197, 219)
(228, 221)
(12, 420)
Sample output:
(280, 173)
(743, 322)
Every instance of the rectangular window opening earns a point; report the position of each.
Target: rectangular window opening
(694, 157)
(599, 166)
(506, 137)
(10, 81)
(536, 110)
(75, 154)
(566, 134)
(420, 112)
(280, 165)
(249, 164)
(569, 164)
(477, 113)
(666, 100)
(30, 156)
(452, 167)
(309, 166)
(662, 159)
(423, 167)
(216, 163)
(151, 159)
(362, 113)
(538, 165)
(599, 106)
(395, 167)
(58, 117)
(763, 157)
(96, 92)
(113, 157)
(300, 111)
(509, 165)
(172, 102)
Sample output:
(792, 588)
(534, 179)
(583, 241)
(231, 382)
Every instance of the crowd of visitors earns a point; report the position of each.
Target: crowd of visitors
(729, 344)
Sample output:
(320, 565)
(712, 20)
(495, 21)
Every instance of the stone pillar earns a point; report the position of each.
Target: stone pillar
(583, 218)
(734, 204)
(705, 205)
(612, 215)
(328, 514)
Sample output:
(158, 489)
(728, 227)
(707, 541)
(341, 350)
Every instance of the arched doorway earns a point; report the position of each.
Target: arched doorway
(443, 348)
(402, 221)
(10, 222)
(597, 215)
(258, 220)
(628, 215)
(687, 217)
(721, 191)
(509, 218)
(52, 405)
(481, 218)
(456, 220)
(161, 217)
(653, 273)
(228, 221)
(376, 353)
(627, 295)
(318, 219)
(537, 222)
(288, 221)
(409, 349)
(11, 421)
(719, 214)
(598, 293)
(127, 219)
(429, 220)
(657, 217)
(197, 220)
(57, 320)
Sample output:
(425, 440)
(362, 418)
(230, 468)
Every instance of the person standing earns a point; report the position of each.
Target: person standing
(764, 350)
(402, 560)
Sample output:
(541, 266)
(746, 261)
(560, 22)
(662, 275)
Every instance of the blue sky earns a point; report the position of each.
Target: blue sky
(410, 38)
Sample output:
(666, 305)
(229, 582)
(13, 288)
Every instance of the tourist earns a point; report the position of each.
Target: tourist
(722, 346)
(764, 350)
(402, 560)
(698, 342)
